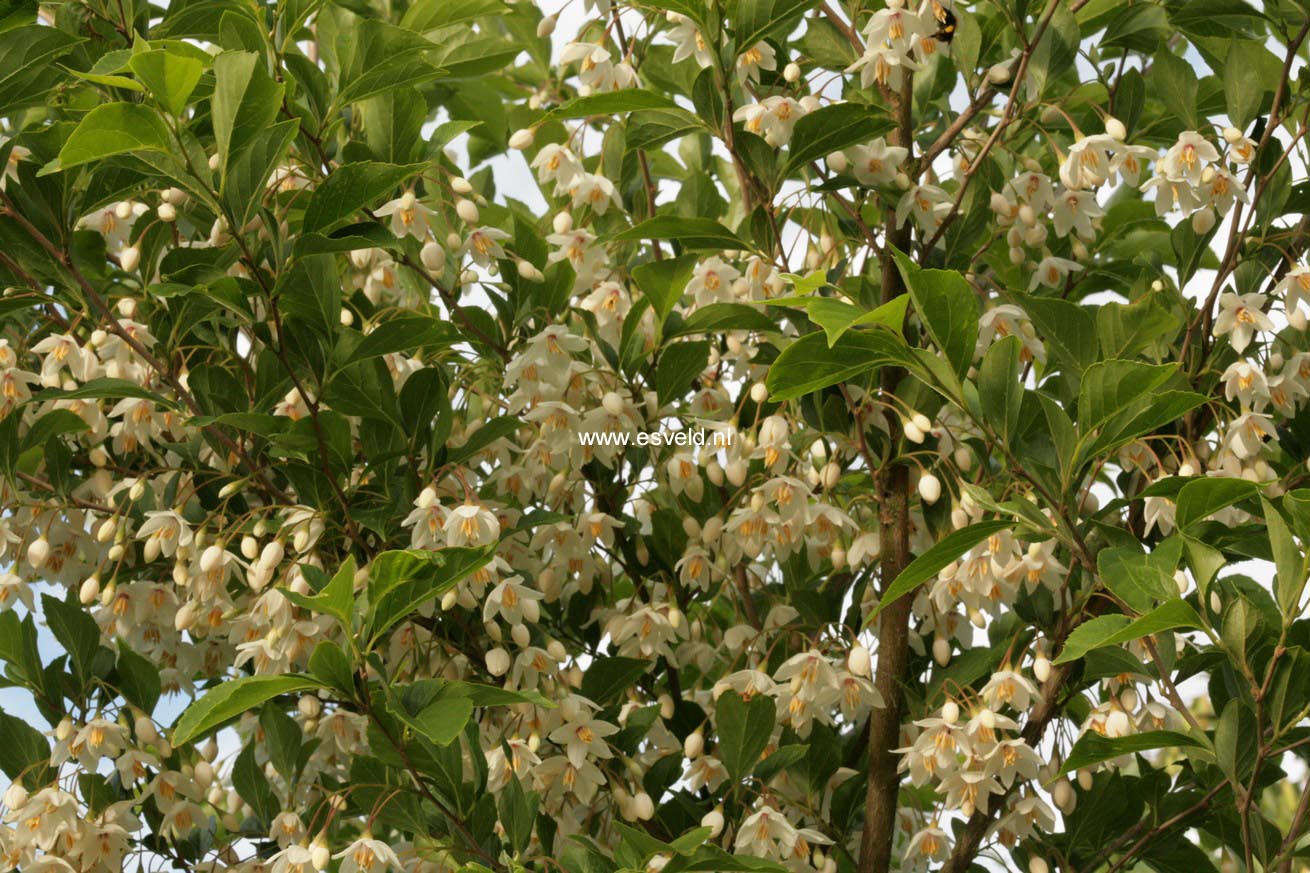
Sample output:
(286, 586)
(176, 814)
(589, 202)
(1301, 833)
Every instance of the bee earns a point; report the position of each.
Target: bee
(945, 22)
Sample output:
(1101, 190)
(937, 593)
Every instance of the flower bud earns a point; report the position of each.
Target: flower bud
(1115, 128)
(467, 211)
(858, 661)
(1037, 864)
(950, 712)
(941, 651)
(792, 72)
(89, 591)
(930, 488)
(546, 26)
(714, 821)
(498, 661)
(38, 552)
(522, 138)
(16, 796)
(693, 745)
(167, 212)
(211, 558)
(1041, 668)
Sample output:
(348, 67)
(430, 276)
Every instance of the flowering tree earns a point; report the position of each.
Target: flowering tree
(851, 466)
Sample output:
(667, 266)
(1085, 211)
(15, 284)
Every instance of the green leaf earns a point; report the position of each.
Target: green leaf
(718, 317)
(780, 760)
(337, 598)
(252, 785)
(428, 15)
(1203, 497)
(810, 363)
(282, 739)
(26, 53)
(663, 282)
(229, 700)
(931, 562)
(494, 695)
(947, 306)
(693, 234)
(503, 427)
(107, 388)
(1136, 578)
(404, 333)
(170, 76)
(138, 680)
(833, 128)
(1289, 560)
(1174, 80)
(679, 366)
(75, 630)
(1109, 387)
(246, 100)
(744, 728)
(652, 128)
(607, 678)
(1092, 748)
(433, 710)
(518, 813)
(349, 189)
(1067, 329)
(836, 316)
(112, 129)
(401, 581)
(610, 103)
(330, 665)
(24, 753)
(1250, 72)
(1111, 630)
(1000, 386)
(756, 19)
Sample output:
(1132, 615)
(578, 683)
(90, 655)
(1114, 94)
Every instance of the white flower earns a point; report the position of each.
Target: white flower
(772, 118)
(1088, 162)
(1075, 210)
(1052, 272)
(115, 223)
(1247, 433)
(512, 601)
(367, 855)
(877, 163)
(583, 739)
(16, 155)
(711, 282)
(927, 203)
(930, 844)
(1241, 316)
(1009, 687)
(766, 833)
(164, 531)
(1294, 288)
(595, 191)
(690, 44)
(1130, 161)
(758, 57)
(1187, 158)
(556, 163)
(409, 217)
(483, 245)
(471, 525)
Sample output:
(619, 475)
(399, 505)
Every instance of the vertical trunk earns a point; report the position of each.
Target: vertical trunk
(893, 482)
(893, 653)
